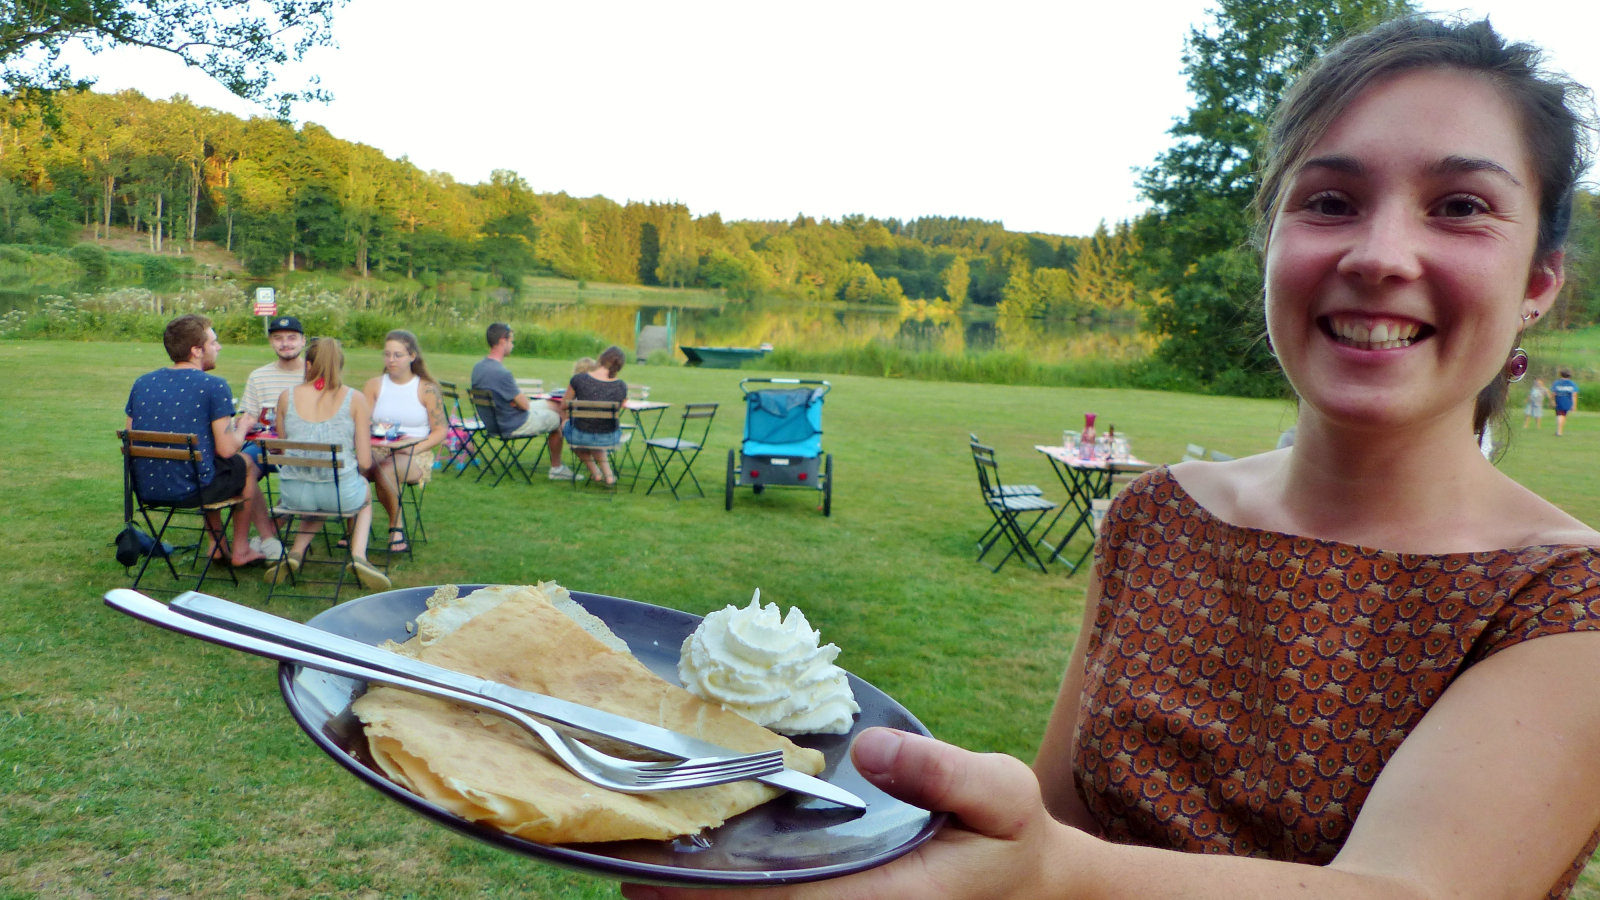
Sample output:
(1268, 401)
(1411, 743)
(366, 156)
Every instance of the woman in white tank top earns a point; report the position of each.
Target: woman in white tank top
(407, 396)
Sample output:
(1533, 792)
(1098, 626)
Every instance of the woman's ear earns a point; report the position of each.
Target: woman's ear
(1544, 284)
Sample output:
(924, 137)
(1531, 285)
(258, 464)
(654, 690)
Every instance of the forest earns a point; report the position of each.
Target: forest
(282, 197)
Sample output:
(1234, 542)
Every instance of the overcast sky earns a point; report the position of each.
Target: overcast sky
(1033, 113)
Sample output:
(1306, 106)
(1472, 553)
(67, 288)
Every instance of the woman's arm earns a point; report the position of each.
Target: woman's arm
(438, 421)
(281, 421)
(361, 413)
(1053, 764)
(370, 391)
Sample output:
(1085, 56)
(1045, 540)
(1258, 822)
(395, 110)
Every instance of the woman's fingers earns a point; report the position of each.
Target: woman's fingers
(993, 794)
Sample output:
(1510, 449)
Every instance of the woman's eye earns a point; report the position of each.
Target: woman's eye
(1330, 205)
(1461, 207)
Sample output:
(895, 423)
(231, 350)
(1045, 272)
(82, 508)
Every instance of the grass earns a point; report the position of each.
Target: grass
(138, 764)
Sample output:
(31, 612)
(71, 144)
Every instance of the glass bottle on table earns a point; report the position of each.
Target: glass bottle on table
(1086, 437)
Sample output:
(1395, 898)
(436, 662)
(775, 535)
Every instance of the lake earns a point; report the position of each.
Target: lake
(619, 313)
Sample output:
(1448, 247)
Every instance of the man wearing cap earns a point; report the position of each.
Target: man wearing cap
(261, 392)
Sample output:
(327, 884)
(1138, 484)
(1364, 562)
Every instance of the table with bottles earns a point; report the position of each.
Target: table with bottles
(1087, 470)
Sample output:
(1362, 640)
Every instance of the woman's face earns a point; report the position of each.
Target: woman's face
(1400, 262)
(396, 358)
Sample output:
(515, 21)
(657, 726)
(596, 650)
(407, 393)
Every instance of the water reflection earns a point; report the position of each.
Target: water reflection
(709, 320)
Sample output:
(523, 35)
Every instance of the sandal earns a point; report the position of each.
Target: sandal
(404, 546)
(369, 576)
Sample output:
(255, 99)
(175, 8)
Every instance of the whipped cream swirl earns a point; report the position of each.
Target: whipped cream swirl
(768, 670)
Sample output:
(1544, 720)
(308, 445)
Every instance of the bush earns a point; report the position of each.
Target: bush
(96, 262)
(158, 271)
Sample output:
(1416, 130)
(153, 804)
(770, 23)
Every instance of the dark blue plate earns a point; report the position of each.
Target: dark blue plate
(788, 840)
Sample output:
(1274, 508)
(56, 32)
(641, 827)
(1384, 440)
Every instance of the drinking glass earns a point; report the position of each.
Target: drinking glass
(1069, 442)
(1119, 449)
(1102, 447)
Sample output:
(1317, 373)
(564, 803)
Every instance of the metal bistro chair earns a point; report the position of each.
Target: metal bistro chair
(179, 448)
(311, 456)
(597, 409)
(467, 452)
(1009, 511)
(503, 451)
(1010, 490)
(686, 450)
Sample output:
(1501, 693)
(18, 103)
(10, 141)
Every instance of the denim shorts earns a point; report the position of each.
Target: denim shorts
(591, 440)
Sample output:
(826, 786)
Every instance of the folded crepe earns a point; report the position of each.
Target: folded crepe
(488, 770)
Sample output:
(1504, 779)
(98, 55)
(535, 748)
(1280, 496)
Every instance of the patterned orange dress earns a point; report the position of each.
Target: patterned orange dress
(1244, 688)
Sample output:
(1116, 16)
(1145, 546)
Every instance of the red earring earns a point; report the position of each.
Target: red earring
(1516, 365)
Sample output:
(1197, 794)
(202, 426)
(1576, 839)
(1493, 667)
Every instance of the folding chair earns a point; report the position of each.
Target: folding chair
(503, 451)
(1193, 452)
(180, 448)
(685, 450)
(1011, 490)
(311, 456)
(467, 450)
(597, 409)
(1010, 511)
(1219, 456)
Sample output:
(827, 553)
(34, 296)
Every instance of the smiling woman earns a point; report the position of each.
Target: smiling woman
(1367, 665)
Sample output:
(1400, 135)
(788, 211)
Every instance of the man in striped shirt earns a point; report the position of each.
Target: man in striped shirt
(261, 392)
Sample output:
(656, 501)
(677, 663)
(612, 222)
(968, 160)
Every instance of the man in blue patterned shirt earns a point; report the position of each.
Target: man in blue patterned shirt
(186, 399)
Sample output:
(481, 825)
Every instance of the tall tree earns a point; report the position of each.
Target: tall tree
(1196, 236)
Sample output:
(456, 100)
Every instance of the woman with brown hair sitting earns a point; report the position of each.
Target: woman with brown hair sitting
(594, 439)
(324, 411)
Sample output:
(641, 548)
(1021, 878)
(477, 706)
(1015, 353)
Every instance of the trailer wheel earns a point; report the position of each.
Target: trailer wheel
(727, 497)
(827, 487)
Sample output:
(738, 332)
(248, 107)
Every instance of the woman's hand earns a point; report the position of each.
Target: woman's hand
(1001, 842)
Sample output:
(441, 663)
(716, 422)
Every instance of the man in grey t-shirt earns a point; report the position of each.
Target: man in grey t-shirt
(517, 415)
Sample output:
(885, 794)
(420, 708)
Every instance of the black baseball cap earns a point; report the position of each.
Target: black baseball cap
(285, 323)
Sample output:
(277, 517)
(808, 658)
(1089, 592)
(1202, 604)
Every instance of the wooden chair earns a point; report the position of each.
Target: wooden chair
(504, 451)
(308, 455)
(180, 448)
(597, 409)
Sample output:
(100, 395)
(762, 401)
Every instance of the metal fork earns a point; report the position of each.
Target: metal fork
(610, 772)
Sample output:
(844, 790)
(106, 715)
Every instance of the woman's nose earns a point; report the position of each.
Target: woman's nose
(1386, 245)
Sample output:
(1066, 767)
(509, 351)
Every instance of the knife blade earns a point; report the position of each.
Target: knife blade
(254, 622)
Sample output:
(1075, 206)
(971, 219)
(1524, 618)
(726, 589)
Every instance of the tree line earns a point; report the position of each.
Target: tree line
(285, 198)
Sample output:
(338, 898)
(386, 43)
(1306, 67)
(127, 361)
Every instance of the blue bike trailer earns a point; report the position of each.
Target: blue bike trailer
(782, 445)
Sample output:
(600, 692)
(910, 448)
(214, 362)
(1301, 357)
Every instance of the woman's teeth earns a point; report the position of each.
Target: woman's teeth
(1382, 336)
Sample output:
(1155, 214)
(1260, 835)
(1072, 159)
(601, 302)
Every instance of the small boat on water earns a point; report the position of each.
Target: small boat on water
(723, 357)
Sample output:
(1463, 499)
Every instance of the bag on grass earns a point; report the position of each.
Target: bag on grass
(132, 543)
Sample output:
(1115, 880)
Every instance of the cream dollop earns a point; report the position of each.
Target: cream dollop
(768, 670)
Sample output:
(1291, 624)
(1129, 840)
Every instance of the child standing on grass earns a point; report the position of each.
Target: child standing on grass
(1536, 397)
(1565, 391)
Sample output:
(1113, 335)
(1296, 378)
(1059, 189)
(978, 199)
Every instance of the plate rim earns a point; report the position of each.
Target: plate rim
(564, 856)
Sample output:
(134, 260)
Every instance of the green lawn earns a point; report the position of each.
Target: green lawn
(138, 764)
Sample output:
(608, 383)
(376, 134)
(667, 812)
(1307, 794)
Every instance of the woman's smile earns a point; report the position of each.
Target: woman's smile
(1369, 333)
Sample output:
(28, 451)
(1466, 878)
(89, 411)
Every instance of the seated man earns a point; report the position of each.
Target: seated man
(518, 416)
(187, 400)
(261, 392)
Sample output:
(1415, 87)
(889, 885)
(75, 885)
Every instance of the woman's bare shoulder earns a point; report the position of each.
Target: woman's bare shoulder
(1546, 525)
(1225, 489)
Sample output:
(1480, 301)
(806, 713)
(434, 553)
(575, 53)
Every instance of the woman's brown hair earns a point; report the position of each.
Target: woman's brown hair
(325, 360)
(418, 367)
(612, 359)
(1555, 115)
